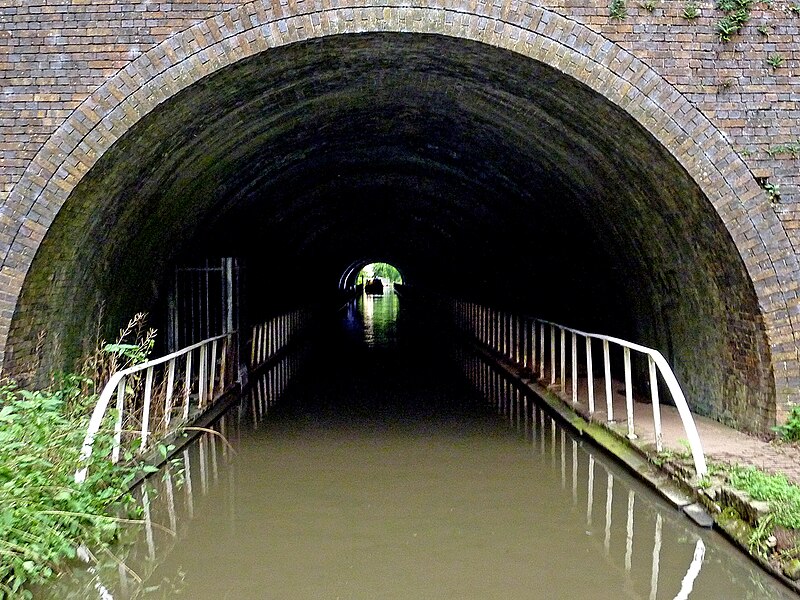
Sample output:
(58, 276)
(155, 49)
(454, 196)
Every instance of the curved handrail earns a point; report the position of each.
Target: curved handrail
(489, 334)
(672, 384)
(108, 391)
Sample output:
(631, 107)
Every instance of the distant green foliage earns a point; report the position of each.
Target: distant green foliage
(783, 496)
(737, 14)
(379, 269)
(618, 9)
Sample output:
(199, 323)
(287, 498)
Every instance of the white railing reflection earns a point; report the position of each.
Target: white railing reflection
(524, 340)
(694, 570)
(578, 468)
(127, 573)
(270, 386)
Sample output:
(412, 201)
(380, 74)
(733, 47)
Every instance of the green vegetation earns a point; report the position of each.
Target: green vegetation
(771, 531)
(737, 13)
(775, 60)
(773, 191)
(618, 9)
(792, 148)
(667, 455)
(790, 430)
(648, 5)
(758, 541)
(379, 269)
(783, 496)
(691, 11)
(794, 9)
(44, 515)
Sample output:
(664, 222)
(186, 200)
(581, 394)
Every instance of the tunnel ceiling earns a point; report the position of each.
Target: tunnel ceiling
(471, 168)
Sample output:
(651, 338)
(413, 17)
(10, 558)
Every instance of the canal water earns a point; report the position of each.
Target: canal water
(385, 470)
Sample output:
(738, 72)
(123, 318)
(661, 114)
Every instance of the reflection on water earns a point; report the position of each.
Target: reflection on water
(634, 531)
(373, 319)
(451, 493)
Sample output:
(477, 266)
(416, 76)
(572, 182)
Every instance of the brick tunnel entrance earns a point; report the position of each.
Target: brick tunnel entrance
(477, 171)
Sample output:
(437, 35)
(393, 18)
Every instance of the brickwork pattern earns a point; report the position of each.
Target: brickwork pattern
(76, 76)
(56, 52)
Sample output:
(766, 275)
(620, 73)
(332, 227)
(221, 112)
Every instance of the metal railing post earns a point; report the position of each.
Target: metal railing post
(148, 393)
(656, 407)
(525, 344)
(541, 350)
(119, 420)
(170, 391)
(563, 357)
(201, 377)
(188, 385)
(574, 368)
(213, 375)
(552, 354)
(607, 376)
(628, 391)
(589, 374)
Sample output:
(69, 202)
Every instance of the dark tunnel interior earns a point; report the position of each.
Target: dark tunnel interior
(476, 171)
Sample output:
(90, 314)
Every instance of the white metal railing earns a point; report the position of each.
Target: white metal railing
(155, 391)
(524, 340)
(588, 484)
(272, 336)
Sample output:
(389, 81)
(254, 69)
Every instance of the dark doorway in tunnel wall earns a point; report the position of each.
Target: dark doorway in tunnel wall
(203, 301)
(527, 188)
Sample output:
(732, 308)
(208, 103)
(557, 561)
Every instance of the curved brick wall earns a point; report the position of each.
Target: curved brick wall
(107, 82)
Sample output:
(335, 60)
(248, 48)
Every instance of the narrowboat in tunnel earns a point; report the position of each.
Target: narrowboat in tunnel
(374, 286)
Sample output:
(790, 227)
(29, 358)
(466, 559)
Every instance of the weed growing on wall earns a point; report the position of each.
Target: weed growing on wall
(737, 14)
(691, 11)
(791, 148)
(618, 10)
(775, 60)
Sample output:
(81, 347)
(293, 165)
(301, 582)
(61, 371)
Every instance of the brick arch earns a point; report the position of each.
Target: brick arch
(526, 29)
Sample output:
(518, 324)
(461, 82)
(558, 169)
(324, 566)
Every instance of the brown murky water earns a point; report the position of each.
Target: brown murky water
(381, 473)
